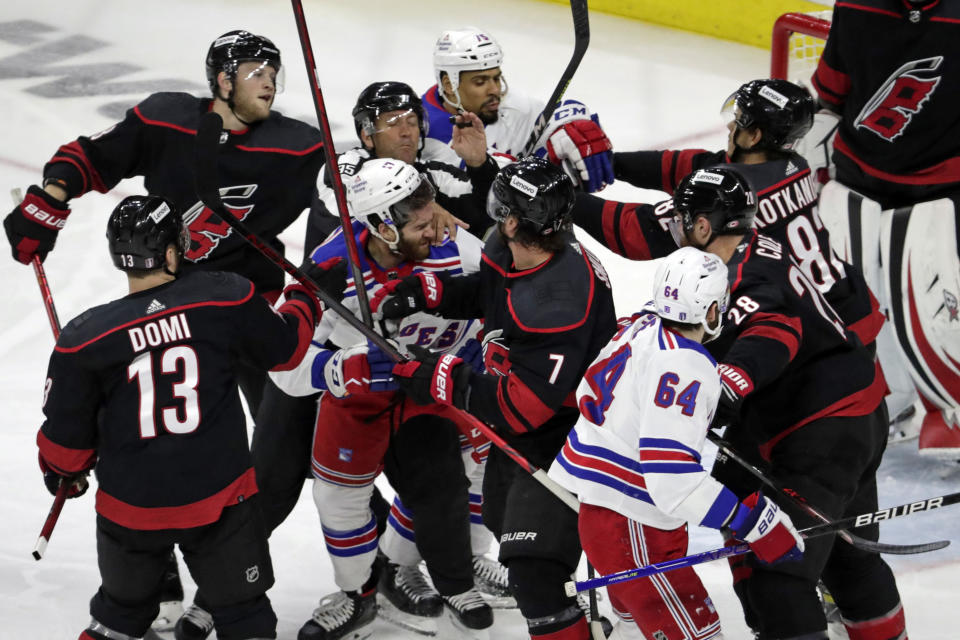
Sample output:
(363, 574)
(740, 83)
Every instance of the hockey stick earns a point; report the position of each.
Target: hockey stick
(332, 167)
(208, 145)
(61, 496)
(855, 540)
(581, 32)
(852, 522)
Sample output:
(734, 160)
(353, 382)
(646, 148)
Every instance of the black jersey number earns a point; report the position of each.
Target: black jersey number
(184, 419)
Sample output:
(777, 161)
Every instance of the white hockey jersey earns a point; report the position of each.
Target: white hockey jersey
(645, 405)
(423, 329)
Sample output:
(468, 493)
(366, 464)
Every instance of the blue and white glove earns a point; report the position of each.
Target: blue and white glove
(577, 143)
(362, 368)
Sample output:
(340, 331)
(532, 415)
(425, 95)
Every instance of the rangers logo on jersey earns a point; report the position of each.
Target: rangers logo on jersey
(902, 96)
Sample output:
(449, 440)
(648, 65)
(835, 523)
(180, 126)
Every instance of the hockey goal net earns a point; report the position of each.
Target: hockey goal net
(797, 43)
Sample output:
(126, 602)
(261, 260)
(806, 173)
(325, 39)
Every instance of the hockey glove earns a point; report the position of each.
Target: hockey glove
(735, 385)
(434, 377)
(33, 225)
(362, 368)
(472, 354)
(768, 530)
(404, 297)
(330, 275)
(584, 151)
(52, 478)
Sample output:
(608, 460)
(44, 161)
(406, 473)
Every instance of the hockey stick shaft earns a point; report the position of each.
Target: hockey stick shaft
(581, 31)
(800, 503)
(331, 155)
(208, 144)
(61, 496)
(910, 508)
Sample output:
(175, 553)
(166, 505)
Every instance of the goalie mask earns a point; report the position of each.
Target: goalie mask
(781, 110)
(385, 191)
(688, 282)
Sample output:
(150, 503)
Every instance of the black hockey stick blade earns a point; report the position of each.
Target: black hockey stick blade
(799, 502)
(581, 32)
(208, 190)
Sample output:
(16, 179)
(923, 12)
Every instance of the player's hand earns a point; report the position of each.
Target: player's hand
(401, 298)
(584, 151)
(469, 139)
(33, 225)
(330, 275)
(768, 530)
(443, 223)
(51, 478)
(433, 378)
(735, 385)
(362, 368)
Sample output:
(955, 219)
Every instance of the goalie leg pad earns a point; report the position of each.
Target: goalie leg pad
(922, 278)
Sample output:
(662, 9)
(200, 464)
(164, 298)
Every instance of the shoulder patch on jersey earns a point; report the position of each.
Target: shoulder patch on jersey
(555, 298)
(172, 109)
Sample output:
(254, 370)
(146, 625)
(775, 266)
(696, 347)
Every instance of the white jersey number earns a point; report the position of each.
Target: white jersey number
(181, 359)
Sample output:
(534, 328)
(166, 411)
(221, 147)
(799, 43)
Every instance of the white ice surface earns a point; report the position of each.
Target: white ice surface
(653, 87)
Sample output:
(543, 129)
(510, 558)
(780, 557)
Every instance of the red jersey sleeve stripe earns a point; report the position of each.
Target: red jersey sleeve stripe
(303, 315)
(832, 85)
(64, 458)
(787, 331)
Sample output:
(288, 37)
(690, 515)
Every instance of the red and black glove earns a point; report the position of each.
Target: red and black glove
(330, 275)
(33, 225)
(735, 386)
(433, 378)
(401, 298)
(768, 530)
(53, 477)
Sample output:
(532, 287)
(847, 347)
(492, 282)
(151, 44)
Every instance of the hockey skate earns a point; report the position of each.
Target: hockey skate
(342, 614)
(194, 624)
(171, 597)
(469, 614)
(490, 578)
(940, 437)
(905, 426)
(407, 600)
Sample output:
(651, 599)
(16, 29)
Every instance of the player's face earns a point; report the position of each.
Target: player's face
(417, 234)
(255, 90)
(480, 93)
(397, 135)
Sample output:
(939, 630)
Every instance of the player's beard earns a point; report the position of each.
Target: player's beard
(411, 251)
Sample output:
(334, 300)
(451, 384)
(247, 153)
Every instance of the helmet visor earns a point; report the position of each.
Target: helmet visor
(730, 112)
(265, 69)
(496, 208)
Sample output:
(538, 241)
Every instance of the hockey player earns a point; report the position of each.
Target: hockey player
(547, 310)
(767, 118)
(633, 457)
(807, 397)
(893, 204)
(466, 63)
(268, 167)
(147, 379)
(360, 415)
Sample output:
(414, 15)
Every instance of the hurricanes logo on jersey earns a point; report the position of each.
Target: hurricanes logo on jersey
(206, 227)
(902, 96)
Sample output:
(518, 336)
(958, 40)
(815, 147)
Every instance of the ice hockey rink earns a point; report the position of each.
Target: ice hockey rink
(71, 68)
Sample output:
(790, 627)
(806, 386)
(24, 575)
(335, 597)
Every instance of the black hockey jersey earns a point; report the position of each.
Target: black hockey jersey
(893, 73)
(786, 350)
(267, 176)
(786, 211)
(550, 323)
(144, 388)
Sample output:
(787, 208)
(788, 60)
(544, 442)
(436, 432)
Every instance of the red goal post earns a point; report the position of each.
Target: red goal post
(797, 43)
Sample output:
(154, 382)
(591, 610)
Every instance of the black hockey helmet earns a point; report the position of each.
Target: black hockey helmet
(538, 192)
(229, 50)
(721, 195)
(384, 97)
(782, 110)
(141, 228)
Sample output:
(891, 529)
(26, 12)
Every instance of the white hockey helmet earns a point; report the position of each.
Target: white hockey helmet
(687, 283)
(466, 49)
(376, 192)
